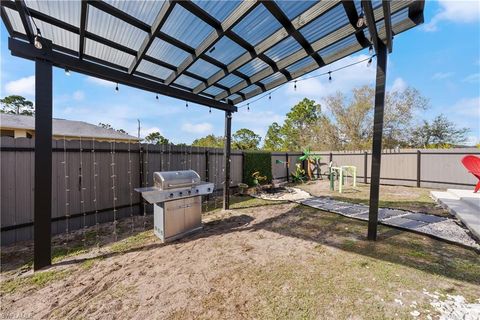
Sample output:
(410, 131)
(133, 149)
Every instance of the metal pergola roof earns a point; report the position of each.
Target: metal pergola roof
(215, 53)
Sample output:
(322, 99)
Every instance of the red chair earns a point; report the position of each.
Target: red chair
(472, 163)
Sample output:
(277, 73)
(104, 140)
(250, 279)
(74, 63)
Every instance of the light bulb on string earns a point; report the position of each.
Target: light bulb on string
(370, 50)
(369, 63)
(269, 96)
(116, 87)
(248, 106)
(156, 96)
(186, 104)
(67, 72)
(361, 20)
(295, 85)
(330, 76)
(37, 43)
(210, 110)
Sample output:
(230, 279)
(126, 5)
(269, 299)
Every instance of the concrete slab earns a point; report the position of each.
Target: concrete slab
(424, 217)
(464, 204)
(405, 223)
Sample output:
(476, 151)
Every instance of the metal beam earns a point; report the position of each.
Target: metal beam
(42, 232)
(351, 12)
(300, 21)
(227, 158)
(243, 9)
(162, 16)
(377, 140)
(27, 25)
(83, 27)
(388, 25)
(28, 51)
(371, 23)
(292, 31)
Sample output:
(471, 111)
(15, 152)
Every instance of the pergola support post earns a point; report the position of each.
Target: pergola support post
(226, 156)
(377, 140)
(43, 165)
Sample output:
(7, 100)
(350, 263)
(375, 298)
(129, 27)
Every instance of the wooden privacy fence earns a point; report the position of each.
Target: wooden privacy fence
(92, 179)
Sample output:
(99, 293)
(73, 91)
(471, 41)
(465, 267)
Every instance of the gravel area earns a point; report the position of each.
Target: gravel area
(453, 307)
(290, 194)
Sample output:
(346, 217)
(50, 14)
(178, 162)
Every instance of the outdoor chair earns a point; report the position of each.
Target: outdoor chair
(472, 163)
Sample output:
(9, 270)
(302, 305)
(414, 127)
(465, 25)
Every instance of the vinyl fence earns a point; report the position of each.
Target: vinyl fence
(92, 179)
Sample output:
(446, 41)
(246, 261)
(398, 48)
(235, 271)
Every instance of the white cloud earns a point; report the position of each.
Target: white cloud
(343, 80)
(473, 78)
(442, 75)
(398, 85)
(256, 120)
(469, 107)
(200, 128)
(454, 11)
(101, 82)
(472, 140)
(146, 131)
(22, 86)
(78, 95)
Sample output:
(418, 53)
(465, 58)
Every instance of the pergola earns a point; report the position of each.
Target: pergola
(212, 53)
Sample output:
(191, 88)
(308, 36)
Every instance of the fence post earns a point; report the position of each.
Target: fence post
(331, 157)
(140, 157)
(365, 168)
(419, 166)
(287, 166)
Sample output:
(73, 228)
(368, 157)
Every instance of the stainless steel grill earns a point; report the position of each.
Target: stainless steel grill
(176, 199)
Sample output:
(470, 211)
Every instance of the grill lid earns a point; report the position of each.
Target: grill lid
(165, 180)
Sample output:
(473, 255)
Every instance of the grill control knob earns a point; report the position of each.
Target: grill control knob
(189, 192)
(171, 195)
(180, 193)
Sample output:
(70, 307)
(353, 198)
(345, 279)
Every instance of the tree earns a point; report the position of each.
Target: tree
(156, 138)
(109, 127)
(439, 133)
(17, 105)
(209, 141)
(299, 124)
(273, 139)
(246, 139)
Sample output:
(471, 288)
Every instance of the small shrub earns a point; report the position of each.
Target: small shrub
(257, 162)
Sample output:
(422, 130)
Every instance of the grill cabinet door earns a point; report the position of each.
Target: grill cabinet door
(174, 217)
(193, 213)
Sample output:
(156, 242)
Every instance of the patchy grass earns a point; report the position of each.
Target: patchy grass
(36, 280)
(131, 242)
(237, 202)
(397, 197)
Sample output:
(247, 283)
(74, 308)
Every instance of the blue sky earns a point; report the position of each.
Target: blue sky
(440, 58)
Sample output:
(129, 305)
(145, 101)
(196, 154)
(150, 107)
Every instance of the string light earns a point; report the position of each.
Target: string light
(37, 43)
(67, 72)
(361, 20)
(210, 111)
(116, 87)
(369, 63)
(295, 85)
(156, 96)
(329, 73)
(186, 104)
(269, 96)
(370, 49)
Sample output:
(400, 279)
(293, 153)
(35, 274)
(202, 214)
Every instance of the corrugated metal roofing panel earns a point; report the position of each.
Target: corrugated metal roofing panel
(254, 66)
(225, 50)
(248, 89)
(153, 69)
(257, 25)
(338, 47)
(114, 29)
(68, 11)
(330, 21)
(59, 36)
(293, 8)
(186, 27)
(203, 68)
(300, 64)
(273, 77)
(166, 52)
(220, 10)
(100, 51)
(15, 20)
(187, 81)
(283, 49)
(213, 90)
(230, 80)
(145, 11)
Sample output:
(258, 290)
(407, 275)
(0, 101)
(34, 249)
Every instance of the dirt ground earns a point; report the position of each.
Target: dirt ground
(261, 260)
(398, 197)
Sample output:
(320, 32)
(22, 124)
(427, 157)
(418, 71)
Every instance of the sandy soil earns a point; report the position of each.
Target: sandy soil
(281, 261)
